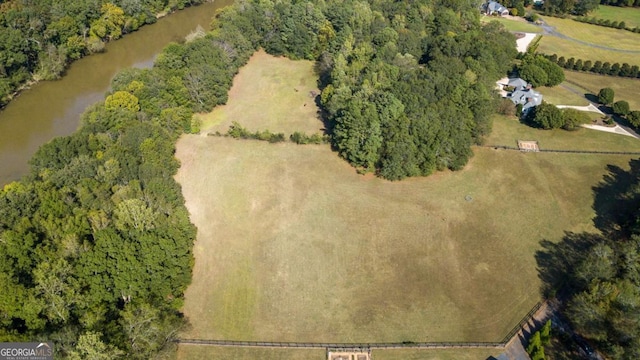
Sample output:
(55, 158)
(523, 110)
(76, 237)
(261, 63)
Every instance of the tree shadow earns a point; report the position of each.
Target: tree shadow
(591, 97)
(616, 200)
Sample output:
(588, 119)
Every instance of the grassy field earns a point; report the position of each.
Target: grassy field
(630, 15)
(513, 25)
(457, 354)
(567, 48)
(294, 245)
(270, 93)
(220, 353)
(594, 34)
(625, 88)
(560, 95)
(225, 353)
(507, 131)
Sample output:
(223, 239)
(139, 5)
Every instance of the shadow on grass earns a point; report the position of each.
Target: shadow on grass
(616, 200)
(591, 97)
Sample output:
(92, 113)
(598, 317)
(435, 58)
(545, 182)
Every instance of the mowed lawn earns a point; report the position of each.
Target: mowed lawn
(630, 15)
(563, 94)
(624, 88)
(567, 48)
(269, 93)
(594, 34)
(513, 25)
(294, 245)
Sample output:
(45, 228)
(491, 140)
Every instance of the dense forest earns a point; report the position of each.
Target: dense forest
(39, 38)
(96, 239)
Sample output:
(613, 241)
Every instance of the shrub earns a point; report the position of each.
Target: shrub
(634, 118)
(621, 108)
(574, 118)
(606, 96)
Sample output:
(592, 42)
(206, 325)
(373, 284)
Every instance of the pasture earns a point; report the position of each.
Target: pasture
(625, 88)
(594, 34)
(562, 95)
(630, 15)
(294, 245)
(567, 48)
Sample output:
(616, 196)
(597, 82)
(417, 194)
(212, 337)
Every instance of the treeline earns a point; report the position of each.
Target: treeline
(96, 240)
(607, 23)
(581, 7)
(39, 38)
(597, 67)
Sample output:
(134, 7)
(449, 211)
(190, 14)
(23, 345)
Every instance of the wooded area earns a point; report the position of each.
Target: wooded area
(38, 39)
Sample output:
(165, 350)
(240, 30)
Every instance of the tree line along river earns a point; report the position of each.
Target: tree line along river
(53, 108)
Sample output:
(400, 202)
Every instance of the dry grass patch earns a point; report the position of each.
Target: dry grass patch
(269, 93)
(420, 354)
(293, 245)
(192, 352)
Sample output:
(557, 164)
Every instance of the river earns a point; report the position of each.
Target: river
(52, 108)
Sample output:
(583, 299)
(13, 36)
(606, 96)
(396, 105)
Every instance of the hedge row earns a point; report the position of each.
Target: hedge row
(597, 67)
(607, 23)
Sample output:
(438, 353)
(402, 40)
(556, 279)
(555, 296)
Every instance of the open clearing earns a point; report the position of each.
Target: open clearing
(630, 15)
(294, 245)
(625, 88)
(269, 93)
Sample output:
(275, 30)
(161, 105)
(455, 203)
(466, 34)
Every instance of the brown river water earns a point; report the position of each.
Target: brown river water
(52, 108)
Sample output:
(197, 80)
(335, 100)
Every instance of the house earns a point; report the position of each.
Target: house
(494, 8)
(522, 93)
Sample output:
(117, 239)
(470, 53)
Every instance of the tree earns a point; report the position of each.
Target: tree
(634, 118)
(574, 118)
(621, 108)
(122, 100)
(606, 96)
(547, 116)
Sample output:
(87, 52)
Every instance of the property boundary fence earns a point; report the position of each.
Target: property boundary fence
(504, 147)
(350, 346)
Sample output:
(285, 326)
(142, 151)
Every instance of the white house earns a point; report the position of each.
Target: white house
(523, 94)
(493, 7)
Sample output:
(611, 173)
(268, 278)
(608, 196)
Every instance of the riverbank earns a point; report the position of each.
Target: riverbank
(50, 109)
(35, 78)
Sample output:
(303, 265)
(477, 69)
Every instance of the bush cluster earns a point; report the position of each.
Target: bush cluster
(597, 67)
(236, 131)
